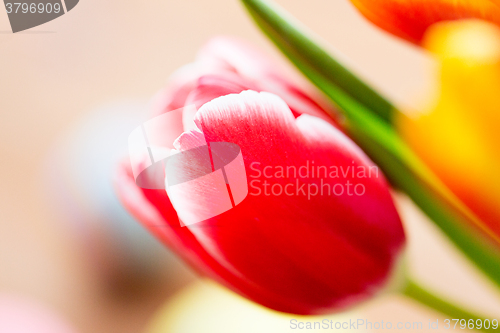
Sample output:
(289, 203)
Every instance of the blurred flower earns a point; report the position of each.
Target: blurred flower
(23, 316)
(409, 19)
(458, 136)
(291, 253)
(218, 310)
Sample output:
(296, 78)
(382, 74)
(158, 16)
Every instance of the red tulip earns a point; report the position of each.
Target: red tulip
(409, 19)
(303, 243)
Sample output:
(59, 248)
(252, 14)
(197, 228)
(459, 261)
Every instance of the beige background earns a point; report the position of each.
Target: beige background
(107, 51)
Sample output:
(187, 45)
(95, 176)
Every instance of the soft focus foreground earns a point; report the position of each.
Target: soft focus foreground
(105, 51)
(219, 310)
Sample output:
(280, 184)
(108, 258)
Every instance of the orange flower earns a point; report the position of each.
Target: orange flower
(458, 136)
(409, 19)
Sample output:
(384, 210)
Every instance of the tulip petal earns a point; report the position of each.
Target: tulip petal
(174, 96)
(409, 19)
(261, 74)
(291, 245)
(237, 56)
(458, 137)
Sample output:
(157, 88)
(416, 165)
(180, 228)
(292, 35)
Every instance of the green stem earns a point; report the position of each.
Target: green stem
(418, 293)
(295, 39)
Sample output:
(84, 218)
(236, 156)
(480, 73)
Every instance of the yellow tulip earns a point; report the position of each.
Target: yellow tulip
(457, 136)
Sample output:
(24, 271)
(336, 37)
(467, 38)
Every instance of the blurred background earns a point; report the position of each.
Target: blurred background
(72, 90)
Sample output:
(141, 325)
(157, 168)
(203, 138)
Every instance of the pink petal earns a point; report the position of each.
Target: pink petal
(249, 63)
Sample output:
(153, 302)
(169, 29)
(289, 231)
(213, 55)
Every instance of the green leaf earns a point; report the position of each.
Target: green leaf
(379, 140)
(293, 39)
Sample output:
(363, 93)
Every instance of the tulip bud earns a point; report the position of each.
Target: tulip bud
(317, 230)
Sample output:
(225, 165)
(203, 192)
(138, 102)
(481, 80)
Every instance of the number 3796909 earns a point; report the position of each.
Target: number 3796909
(471, 324)
(25, 8)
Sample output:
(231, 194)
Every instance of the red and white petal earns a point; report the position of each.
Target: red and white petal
(295, 246)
